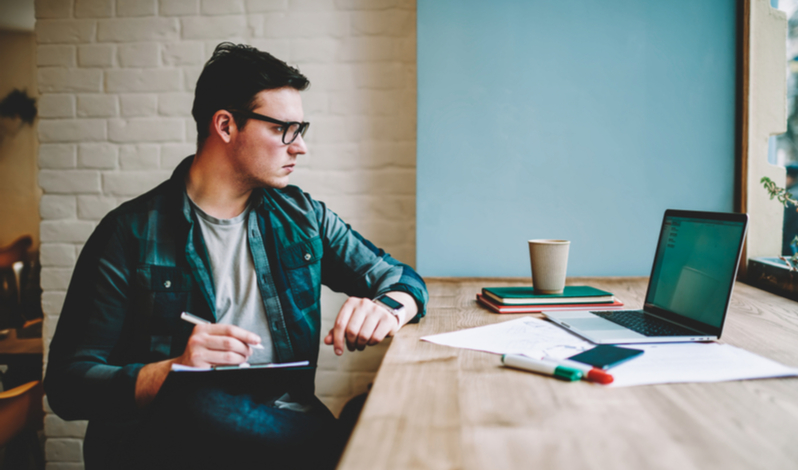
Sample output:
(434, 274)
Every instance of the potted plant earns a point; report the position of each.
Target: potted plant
(776, 274)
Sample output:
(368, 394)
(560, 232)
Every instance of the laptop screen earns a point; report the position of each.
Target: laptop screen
(695, 265)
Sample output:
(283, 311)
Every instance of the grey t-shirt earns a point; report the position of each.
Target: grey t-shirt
(238, 298)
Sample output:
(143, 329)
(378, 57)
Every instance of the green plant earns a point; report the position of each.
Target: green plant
(784, 197)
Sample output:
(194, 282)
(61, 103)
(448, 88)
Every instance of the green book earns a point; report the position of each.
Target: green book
(526, 296)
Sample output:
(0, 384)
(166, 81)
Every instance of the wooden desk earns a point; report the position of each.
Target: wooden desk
(445, 408)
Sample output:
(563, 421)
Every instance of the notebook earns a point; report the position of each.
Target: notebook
(690, 286)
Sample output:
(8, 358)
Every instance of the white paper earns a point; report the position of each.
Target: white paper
(244, 365)
(660, 363)
(529, 336)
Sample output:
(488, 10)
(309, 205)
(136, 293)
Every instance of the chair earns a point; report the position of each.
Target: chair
(21, 416)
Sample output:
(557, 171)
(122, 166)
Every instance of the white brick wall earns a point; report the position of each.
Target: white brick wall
(116, 80)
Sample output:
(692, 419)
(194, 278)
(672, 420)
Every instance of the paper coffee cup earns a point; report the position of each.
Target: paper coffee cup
(549, 265)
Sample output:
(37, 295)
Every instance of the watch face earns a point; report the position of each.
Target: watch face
(389, 302)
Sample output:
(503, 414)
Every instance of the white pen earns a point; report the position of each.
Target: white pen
(200, 321)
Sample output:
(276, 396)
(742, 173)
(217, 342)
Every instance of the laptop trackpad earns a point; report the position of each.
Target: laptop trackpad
(592, 324)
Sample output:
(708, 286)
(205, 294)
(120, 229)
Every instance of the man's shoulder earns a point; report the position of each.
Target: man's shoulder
(293, 196)
(157, 201)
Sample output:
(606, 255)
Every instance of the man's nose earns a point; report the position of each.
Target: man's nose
(298, 147)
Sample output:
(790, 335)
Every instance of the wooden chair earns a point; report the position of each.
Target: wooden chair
(21, 416)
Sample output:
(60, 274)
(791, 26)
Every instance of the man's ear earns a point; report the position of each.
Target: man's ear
(223, 125)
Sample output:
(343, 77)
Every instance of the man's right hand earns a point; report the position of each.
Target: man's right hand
(210, 344)
(215, 344)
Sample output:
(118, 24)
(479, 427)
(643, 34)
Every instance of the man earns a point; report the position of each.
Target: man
(227, 239)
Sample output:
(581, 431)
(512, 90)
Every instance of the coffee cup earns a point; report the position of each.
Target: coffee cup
(548, 265)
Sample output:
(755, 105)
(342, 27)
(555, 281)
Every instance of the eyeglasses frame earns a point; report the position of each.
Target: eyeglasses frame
(301, 130)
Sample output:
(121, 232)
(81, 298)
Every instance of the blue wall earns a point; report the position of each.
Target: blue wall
(580, 120)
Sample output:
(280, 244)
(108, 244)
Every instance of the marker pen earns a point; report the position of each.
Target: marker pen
(541, 367)
(592, 374)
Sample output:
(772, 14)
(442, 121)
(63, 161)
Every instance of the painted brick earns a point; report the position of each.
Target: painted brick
(52, 156)
(145, 130)
(306, 24)
(137, 8)
(55, 56)
(64, 466)
(121, 81)
(183, 53)
(141, 54)
(175, 104)
(65, 230)
(57, 255)
(173, 154)
(215, 7)
(370, 4)
(261, 6)
(140, 157)
(368, 49)
(333, 385)
(386, 23)
(97, 105)
(53, 301)
(57, 427)
(94, 8)
(136, 105)
(330, 77)
(96, 55)
(52, 9)
(98, 155)
(137, 29)
(72, 130)
(216, 27)
(315, 102)
(69, 181)
(64, 31)
(95, 207)
(59, 80)
(55, 278)
(280, 48)
(64, 450)
(178, 7)
(53, 207)
(190, 76)
(312, 5)
(56, 106)
(380, 76)
(191, 130)
(133, 183)
(314, 50)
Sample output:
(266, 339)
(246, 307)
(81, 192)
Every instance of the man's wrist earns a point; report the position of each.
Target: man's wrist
(393, 306)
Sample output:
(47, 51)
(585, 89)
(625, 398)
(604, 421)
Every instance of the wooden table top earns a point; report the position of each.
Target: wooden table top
(437, 407)
(11, 345)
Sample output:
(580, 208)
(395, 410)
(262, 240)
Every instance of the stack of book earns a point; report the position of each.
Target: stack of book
(524, 300)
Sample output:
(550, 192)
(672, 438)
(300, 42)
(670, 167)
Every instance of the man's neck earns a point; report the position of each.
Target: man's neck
(211, 185)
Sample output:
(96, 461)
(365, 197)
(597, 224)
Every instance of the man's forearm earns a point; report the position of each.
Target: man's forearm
(151, 378)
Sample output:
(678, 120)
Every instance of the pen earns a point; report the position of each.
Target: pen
(592, 374)
(541, 367)
(200, 321)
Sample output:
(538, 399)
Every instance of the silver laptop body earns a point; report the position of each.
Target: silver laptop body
(690, 286)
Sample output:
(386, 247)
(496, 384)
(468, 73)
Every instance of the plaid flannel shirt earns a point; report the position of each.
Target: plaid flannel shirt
(146, 263)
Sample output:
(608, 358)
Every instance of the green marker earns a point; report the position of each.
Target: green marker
(541, 367)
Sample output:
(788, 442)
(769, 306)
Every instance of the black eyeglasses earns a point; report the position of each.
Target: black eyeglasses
(291, 129)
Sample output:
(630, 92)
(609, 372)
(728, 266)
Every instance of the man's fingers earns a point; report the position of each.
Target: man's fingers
(354, 327)
(386, 326)
(367, 330)
(231, 330)
(342, 319)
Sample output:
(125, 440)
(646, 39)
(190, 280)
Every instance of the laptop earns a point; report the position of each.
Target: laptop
(690, 286)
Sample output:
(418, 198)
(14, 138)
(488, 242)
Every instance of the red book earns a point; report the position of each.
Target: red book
(499, 308)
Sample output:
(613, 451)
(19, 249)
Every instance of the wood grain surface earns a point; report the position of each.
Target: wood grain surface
(436, 407)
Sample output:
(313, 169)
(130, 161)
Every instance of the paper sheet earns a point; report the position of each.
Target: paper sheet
(661, 363)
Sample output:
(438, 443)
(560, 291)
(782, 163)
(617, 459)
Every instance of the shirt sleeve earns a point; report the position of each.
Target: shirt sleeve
(353, 265)
(87, 377)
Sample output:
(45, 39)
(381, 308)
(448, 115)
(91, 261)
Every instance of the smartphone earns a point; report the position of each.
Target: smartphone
(606, 356)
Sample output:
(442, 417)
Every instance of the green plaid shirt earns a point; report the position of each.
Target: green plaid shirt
(146, 263)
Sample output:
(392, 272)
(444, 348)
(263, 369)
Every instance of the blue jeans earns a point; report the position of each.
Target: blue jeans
(230, 427)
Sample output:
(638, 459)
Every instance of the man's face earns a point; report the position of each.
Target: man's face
(259, 154)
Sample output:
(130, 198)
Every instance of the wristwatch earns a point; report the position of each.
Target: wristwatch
(394, 307)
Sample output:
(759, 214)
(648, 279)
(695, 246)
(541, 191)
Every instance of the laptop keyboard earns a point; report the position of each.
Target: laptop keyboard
(647, 325)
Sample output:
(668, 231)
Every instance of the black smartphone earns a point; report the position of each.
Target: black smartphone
(606, 356)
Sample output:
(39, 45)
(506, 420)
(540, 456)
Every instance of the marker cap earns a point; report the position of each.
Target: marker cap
(565, 373)
(599, 376)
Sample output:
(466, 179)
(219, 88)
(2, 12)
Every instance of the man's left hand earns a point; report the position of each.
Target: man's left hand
(362, 322)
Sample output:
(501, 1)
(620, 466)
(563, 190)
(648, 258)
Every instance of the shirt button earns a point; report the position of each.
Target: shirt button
(167, 284)
(307, 256)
